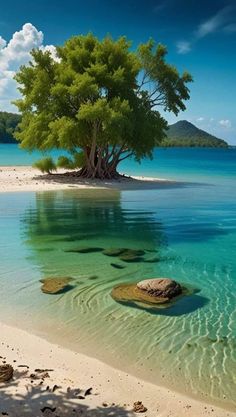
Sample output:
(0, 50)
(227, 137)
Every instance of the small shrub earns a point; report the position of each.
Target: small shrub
(45, 165)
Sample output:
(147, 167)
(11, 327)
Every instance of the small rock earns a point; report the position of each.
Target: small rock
(6, 373)
(117, 266)
(139, 407)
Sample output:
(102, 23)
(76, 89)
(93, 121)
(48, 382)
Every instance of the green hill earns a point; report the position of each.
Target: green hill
(8, 123)
(185, 134)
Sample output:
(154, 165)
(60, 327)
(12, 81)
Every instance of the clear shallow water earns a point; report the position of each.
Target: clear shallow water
(191, 346)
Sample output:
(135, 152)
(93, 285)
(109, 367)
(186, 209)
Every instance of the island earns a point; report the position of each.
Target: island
(186, 135)
(8, 124)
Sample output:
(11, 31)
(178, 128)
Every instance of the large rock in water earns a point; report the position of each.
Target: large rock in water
(160, 287)
(158, 292)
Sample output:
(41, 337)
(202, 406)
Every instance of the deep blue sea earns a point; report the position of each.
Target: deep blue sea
(191, 225)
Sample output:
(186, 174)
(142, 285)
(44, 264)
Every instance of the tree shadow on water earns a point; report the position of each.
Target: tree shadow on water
(26, 400)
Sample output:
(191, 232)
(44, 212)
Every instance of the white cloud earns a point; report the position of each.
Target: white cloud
(200, 119)
(223, 20)
(226, 123)
(53, 51)
(2, 42)
(183, 47)
(17, 51)
(14, 54)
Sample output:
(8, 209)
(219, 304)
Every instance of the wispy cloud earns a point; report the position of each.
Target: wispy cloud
(183, 47)
(214, 23)
(162, 5)
(211, 122)
(226, 123)
(224, 21)
(230, 28)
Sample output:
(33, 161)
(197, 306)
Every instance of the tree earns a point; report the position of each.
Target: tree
(98, 100)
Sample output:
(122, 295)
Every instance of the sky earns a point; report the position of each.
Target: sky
(200, 37)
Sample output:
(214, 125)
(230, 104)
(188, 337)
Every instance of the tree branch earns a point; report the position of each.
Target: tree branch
(127, 156)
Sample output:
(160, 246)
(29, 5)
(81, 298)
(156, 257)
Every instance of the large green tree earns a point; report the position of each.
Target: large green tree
(99, 101)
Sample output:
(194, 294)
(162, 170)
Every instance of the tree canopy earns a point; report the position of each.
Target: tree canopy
(99, 101)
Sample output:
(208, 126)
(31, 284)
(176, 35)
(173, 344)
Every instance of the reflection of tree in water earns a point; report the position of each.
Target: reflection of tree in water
(91, 216)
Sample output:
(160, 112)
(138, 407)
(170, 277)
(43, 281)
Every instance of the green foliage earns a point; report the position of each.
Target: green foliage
(46, 165)
(65, 162)
(76, 161)
(8, 124)
(100, 97)
(185, 134)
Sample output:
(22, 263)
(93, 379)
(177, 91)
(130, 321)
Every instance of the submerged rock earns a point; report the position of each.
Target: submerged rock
(117, 266)
(55, 285)
(133, 252)
(130, 258)
(158, 292)
(152, 260)
(131, 293)
(160, 287)
(113, 251)
(125, 254)
(84, 250)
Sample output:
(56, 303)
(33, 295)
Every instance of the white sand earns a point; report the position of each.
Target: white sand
(113, 392)
(26, 178)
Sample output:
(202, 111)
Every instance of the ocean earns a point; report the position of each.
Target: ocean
(190, 226)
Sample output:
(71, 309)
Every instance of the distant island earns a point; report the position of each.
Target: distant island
(8, 123)
(180, 134)
(185, 134)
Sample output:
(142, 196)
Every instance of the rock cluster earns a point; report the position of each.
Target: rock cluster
(124, 254)
(150, 291)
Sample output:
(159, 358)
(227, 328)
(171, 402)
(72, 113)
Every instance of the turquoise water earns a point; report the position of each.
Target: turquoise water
(191, 346)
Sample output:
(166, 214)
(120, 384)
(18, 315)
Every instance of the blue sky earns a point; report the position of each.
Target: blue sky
(200, 36)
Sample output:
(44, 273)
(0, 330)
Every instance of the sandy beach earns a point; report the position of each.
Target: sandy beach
(26, 178)
(47, 377)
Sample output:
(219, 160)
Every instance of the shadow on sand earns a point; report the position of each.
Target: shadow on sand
(122, 183)
(38, 401)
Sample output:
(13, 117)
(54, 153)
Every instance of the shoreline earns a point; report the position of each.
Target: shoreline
(26, 178)
(113, 391)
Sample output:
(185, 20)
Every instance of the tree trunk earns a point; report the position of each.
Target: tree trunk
(101, 164)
